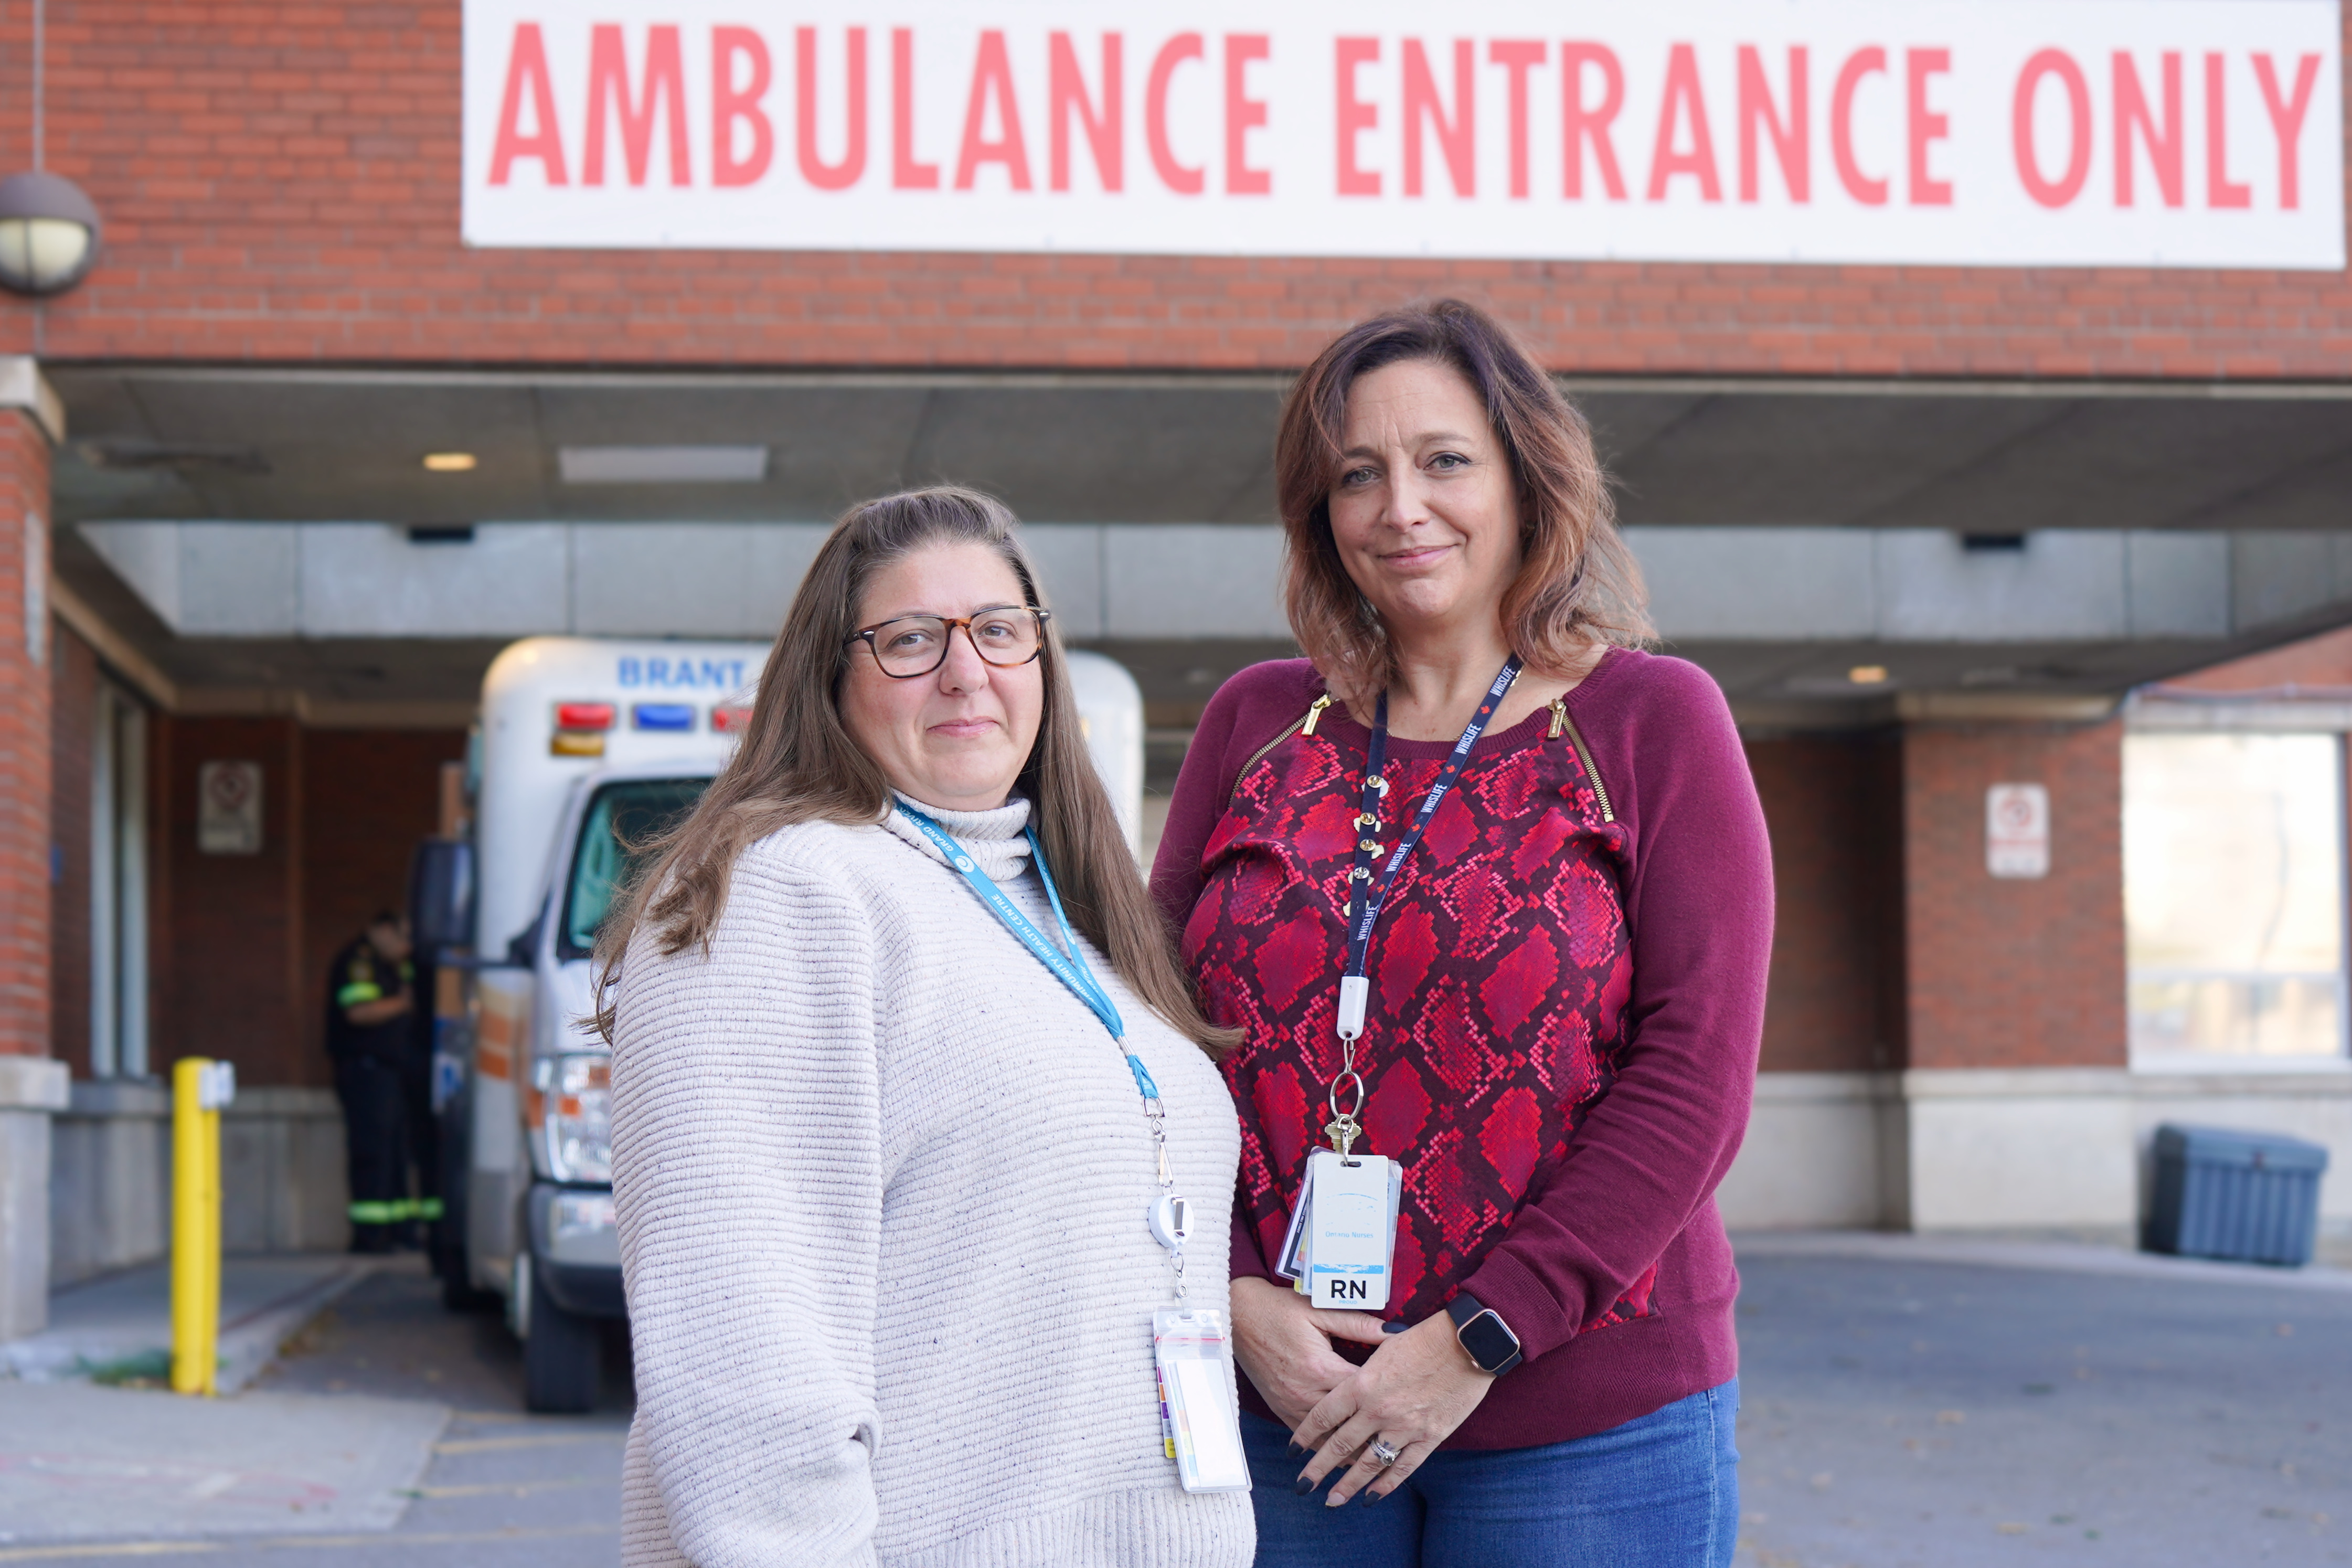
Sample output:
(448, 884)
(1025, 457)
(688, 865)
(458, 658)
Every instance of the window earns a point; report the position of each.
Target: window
(117, 887)
(622, 819)
(2234, 894)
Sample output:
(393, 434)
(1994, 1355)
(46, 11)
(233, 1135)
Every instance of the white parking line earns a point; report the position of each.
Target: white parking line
(511, 1488)
(546, 1440)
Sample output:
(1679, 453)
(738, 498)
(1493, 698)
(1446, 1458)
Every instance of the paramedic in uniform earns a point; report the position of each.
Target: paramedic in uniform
(371, 1028)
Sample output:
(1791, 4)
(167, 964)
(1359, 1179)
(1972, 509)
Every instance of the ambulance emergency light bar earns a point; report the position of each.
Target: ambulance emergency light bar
(584, 715)
(662, 715)
(581, 726)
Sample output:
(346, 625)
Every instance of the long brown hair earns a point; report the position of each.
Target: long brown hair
(798, 764)
(1578, 583)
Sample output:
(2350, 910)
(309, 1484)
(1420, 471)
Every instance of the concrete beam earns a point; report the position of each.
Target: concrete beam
(22, 385)
(1793, 586)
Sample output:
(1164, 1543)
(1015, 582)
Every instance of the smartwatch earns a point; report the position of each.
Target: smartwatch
(1484, 1334)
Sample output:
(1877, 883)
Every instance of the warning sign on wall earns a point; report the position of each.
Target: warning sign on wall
(2002, 133)
(2017, 831)
(228, 809)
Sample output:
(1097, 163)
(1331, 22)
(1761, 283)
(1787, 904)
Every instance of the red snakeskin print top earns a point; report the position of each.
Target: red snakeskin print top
(1477, 1069)
(1508, 1006)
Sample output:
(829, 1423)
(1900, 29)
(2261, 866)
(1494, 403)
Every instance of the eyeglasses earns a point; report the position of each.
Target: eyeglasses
(1006, 635)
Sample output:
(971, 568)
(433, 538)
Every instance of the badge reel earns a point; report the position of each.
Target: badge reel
(1192, 1354)
(1339, 1250)
(1172, 1220)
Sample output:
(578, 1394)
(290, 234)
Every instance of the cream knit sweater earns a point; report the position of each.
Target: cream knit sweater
(882, 1183)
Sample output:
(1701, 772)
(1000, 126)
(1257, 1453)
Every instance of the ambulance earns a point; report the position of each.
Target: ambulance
(585, 749)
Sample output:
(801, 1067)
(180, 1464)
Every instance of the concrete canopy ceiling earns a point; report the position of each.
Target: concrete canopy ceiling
(272, 446)
(294, 445)
(287, 445)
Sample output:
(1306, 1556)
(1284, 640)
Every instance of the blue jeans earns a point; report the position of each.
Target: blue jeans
(1662, 1491)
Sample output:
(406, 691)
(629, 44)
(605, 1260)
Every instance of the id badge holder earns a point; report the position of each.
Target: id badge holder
(1292, 1265)
(1349, 1235)
(1200, 1415)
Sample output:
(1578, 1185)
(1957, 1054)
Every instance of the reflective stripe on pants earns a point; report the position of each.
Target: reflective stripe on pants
(377, 1211)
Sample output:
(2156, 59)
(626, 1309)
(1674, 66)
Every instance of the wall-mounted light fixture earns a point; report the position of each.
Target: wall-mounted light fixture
(48, 228)
(49, 234)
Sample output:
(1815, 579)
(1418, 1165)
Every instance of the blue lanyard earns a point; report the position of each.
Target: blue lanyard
(1071, 970)
(1362, 917)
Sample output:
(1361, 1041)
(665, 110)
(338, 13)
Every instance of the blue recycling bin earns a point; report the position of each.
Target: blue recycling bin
(2249, 1198)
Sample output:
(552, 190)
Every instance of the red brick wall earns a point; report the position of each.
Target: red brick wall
(246, 939)
(2015, 973)
(280, 182)
(1832, 805)
(73, 715)
(2323, 660)
(230, 981)
(369, 796)
(24, 840)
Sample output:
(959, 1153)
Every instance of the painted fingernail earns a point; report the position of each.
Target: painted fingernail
(1295, 1450)
(1303, 1485)
(1374, 1496)
(1394, 1325)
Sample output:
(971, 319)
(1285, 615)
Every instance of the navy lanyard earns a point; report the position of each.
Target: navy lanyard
(1365, 901)
(1071, 970)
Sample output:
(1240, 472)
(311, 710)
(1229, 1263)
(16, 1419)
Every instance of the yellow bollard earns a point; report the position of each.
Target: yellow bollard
(199, 1089)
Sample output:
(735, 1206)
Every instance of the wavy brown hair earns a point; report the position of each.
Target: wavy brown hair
(798, 764)
(1578, 583)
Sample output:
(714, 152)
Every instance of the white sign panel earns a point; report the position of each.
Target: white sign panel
(2017, 831)
(228, 809)
(1989, 132)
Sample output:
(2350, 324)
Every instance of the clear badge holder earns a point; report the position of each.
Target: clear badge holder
(1340, 1249)
(1200, 1415)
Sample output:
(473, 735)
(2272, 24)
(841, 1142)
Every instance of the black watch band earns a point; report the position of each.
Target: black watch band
(1483, 1333)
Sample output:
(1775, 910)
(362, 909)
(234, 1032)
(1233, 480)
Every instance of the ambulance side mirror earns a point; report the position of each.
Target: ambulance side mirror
(523, 950)
(441, 895)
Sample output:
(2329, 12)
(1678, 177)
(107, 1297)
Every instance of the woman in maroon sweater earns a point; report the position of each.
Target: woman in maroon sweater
(1566, 981)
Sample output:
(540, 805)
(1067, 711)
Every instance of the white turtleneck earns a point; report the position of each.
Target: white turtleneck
(882, 1181)
(998, 840)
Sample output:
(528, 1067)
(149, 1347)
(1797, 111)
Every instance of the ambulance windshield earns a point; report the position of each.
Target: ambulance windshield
(623, 819)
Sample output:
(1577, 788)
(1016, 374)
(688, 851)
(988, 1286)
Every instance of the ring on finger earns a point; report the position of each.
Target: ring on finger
(1381, 1453)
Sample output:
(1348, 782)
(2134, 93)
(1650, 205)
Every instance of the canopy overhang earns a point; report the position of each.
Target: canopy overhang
(2053, 542)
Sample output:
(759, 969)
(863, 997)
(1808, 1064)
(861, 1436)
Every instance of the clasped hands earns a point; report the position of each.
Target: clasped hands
(1418, 1386)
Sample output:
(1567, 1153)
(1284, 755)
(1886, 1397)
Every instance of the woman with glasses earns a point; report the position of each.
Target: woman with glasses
(1484, 886)
(917, 1138)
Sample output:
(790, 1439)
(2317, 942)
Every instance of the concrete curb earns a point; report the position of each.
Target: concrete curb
(2070, 1257)
(119, 1328)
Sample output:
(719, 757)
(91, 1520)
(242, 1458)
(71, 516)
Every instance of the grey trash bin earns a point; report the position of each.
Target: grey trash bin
(2252, 1197)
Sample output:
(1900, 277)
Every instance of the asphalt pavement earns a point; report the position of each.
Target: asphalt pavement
(1908, 1404)
(1906, 1412)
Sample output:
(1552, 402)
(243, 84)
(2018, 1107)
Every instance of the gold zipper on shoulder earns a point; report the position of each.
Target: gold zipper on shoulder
(1561, 721)
(1303, 724)
(1558, 718)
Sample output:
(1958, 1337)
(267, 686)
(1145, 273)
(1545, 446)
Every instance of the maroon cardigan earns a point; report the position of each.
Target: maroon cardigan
(1636, 1187)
